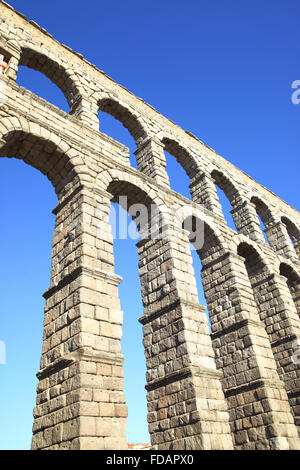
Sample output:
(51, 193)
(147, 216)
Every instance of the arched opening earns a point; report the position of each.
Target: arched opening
(128, 225)
(179, 180)
(180, 169)
(128, 120)
(197, 266)
(27, 199)
(41, 86)
(227, 195)
(264, 216)
(110, 126)
(293, 232)
(206, 251)
(293, 283)
(275, 312)
(52, 70)
(41, 153)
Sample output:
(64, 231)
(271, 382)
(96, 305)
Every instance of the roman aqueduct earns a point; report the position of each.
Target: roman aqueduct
(237, 386)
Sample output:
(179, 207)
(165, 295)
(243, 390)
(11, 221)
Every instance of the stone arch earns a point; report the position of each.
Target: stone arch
(242, 240)
(233, 194)
(11, 53)
(41, 149)
(46, 152)
(254, 260)
(225, 182)
(60, 73)
(124, 113)
(272, 233)
(178, 216)
(187, 160)
(212, 249)
(276, 231)
(139, 205)
(293, 232)
(276, 311)
(287, 270)
(154, 214)
(233, 315)
(263, 210)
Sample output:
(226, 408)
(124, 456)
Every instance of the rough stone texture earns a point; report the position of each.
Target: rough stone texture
(236, 387)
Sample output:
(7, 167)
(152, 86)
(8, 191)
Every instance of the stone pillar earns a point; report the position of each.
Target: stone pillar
(279, 239)
(259, 410)
(151, 161)
(204, 192)
(186, 405)
(80, 399)
(85, 110)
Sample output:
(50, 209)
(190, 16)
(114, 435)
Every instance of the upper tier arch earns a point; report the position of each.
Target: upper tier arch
(124, 113)
(54, 68)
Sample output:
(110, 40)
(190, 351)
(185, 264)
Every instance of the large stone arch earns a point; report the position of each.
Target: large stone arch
(263, 210)
(80, 399)
(255, 258)
(226, 183)
(40, 148)
(238, 333)
(152, 159)
(171, 310)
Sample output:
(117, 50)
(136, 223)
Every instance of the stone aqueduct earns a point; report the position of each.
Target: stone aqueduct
(236, 387)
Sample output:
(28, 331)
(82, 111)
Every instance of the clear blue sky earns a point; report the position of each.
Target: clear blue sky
(222, 70)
